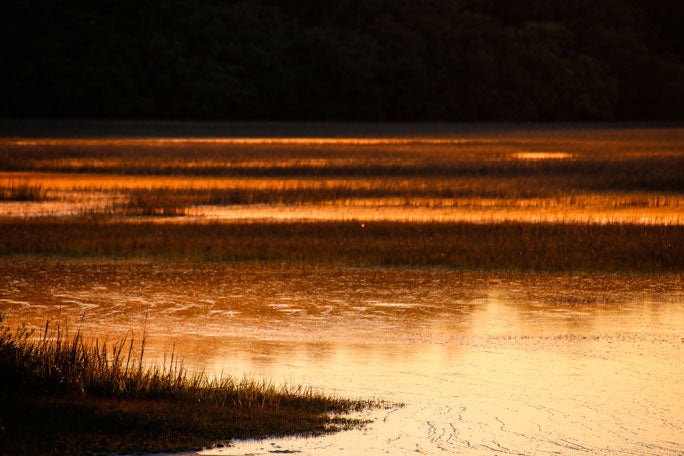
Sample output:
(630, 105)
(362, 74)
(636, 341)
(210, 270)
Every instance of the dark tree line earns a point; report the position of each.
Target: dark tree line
(343, 60)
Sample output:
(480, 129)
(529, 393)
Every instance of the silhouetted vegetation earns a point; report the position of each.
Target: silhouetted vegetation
(60, 394)
(371, 60)
(492, 246)
(21, 191)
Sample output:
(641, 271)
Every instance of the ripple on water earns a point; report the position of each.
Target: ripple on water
(485, 363)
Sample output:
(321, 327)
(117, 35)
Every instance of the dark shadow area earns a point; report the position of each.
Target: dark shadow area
(381, 60)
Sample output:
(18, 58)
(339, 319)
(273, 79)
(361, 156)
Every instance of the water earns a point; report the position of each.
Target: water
(485, 363)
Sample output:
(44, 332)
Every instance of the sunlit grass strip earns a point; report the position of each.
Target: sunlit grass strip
(59, 375)
(634, 173)
(653, 162)
(22, 191)
(489, 246)
(174, 201)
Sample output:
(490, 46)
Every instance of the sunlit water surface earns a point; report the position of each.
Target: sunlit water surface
(485, 363)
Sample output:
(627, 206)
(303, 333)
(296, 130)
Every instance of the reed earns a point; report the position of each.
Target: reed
(488, 246)
(165, 200)
(22, 191)
(57, 375)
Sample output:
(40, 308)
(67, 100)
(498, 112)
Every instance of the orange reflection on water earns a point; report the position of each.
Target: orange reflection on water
(480, 212)
(542, 155)
(258, 141)
(563, 364)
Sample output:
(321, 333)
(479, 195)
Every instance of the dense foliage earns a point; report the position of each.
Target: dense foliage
(362, 60)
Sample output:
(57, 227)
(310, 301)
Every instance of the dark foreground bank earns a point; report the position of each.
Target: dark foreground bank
(62, 395)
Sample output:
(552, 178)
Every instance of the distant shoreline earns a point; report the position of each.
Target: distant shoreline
(101, 128)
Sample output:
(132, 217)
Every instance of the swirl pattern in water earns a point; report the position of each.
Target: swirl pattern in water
(485, 363)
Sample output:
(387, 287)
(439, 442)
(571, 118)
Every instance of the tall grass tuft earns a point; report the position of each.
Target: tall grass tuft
(59, 361)
(22, 191)
(63, 395)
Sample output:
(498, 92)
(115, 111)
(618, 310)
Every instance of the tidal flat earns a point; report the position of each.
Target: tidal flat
(518, 288)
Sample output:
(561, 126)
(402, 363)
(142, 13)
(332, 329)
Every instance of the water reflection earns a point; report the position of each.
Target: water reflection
(542, 155)
(312, 141)
(207, 297)
(486, 363)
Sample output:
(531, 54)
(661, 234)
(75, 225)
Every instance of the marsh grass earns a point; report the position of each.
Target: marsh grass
(628, 159)
(176, 201)
(60, 394)
(22, 191)
(633, 167)
(154, 202)
(167, 201)
(490, 246)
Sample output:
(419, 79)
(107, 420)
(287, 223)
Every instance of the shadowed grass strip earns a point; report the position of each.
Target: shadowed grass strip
(62, 395)
(145, 202)
(495, 246)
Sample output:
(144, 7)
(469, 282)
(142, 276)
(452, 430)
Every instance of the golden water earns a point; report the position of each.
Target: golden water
(485, 363)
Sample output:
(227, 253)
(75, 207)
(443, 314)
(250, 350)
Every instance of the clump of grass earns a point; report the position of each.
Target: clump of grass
(60, 394)
(146, 202)
(59, 362)
(22, 191)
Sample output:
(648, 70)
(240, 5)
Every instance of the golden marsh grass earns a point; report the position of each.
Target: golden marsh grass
(558, 169)
(22, 190)
(496, 246)
(634, 159)
(426, 191)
